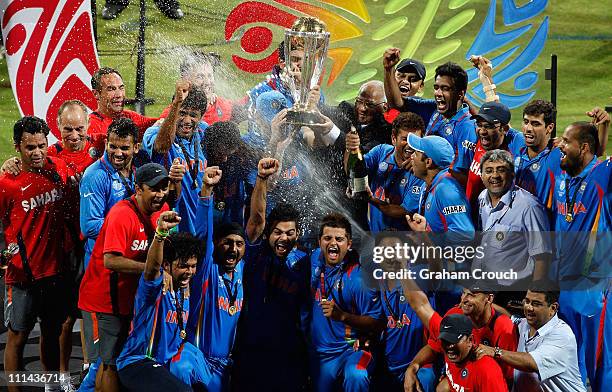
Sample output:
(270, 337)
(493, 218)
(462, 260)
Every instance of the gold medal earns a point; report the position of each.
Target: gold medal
(232, 310)
(183, 334)
(569, 217)
(220, 206)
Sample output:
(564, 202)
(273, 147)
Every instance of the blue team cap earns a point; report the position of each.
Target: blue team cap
(435, 147)
(269, 104)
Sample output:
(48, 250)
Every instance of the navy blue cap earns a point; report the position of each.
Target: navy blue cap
(270, 103)
(151, 174)
(493, 112)
(454, 326)
(435, 147)
(407, 65)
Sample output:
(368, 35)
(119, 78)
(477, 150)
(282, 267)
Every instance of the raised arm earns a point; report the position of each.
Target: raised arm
(257, 219)
(204, 213)
(167, 220)
(418, 300)
(601, 119)
(167, 131)
(394, 96)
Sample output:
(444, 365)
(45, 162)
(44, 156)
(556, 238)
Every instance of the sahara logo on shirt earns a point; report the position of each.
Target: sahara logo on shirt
(458, 209)
(42, 199)
(139, 245)
(468, 145)
(455, 387)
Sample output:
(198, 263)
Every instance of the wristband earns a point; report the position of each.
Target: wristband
(162, 233)
(159, 238)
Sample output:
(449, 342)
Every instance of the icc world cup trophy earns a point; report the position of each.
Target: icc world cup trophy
(306, 46)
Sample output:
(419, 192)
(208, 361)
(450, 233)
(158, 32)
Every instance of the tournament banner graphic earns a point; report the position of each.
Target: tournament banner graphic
(50, 54)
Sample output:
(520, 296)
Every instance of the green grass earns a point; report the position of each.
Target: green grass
(584, 79)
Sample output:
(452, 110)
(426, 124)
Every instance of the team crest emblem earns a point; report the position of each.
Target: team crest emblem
(403, 181)
(535, 167)
(562, 186)
(93, 153)
(275, 104)
(383, 166)
(499, 236)
(428, 206)
(117, 185)
(486, 342)
(448, 130)
(402, 298)
(464, 373)
(219, 113)
(583, 187)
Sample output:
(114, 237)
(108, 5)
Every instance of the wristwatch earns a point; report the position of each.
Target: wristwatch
(497, 353)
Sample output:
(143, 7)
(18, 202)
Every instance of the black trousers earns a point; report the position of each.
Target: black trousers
(148, 375)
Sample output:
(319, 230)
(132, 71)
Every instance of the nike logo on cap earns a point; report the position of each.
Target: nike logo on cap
(446, 327)
(158, 171)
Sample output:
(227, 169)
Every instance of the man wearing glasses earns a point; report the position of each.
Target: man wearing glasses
(546, 358)
(493, 133)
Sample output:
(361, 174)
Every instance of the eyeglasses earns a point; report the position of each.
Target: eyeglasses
(368, 104)
(487, 126)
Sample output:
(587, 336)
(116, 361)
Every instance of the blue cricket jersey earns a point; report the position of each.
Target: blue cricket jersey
(187, 203)
(421, 106)
(345, 284)
(447, 209)
(580, 202)
(100, 188)
(155, 330)
(460, 132)
(404, 335)
(391, 183)
(276, 295)
(211, 327)
(538, 175)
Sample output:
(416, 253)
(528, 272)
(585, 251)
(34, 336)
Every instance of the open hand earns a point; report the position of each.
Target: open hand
(599, 116)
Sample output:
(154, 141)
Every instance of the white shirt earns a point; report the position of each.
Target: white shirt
(553, 348)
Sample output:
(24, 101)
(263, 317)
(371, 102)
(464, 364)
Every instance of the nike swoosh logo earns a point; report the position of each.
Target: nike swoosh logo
(142, 229)
(446, 327)
(88, 194)
(26, 187)
(156, 365)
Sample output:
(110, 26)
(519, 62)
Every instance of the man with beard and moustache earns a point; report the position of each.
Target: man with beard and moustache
(581, 195)
(493, 133)
(514, 229)
(488, 325)
(198, 68)
(537, 165)
(33, 211)
(545, 359)
(452, 118)
(152, 359)
(404, 335)
(106, 296)
(395, 191)
(109, 90)
(344, 312)
(270, 348)
(180, 137)
(217, 295)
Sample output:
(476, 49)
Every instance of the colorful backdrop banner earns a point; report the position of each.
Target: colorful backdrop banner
(50, 53)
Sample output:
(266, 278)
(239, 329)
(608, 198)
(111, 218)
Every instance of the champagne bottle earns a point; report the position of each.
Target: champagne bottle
(358, 174)
(6, 255)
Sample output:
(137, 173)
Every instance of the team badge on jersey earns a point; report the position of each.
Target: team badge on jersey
(383, 166)
(464, 373)
(535, 167)
(499, 236)
(117, 185)
(448, 129)
(403, 181)
(583, 187)
(428, 206)
(93, 152)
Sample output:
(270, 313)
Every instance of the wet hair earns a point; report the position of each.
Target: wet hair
(282, 212)
(338, 221)
(587, 133)
(221, 137)
(498, 156)
(539, 106)
(407, 121)
(96, 78)
(196, 99)
(198, 57)
(123, 127)
(69, 103)
(29, 124)
(456, 73)
(546, 287)
(182, 247)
